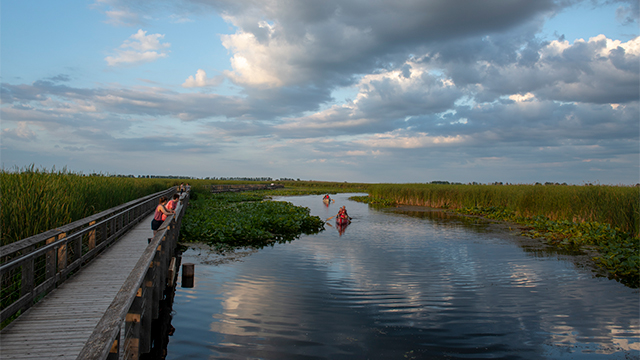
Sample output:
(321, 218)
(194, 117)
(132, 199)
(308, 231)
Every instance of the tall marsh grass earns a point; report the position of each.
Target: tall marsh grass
(618, 206)
(36, 200)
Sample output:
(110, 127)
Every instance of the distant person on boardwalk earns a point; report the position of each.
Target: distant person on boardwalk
(181, 188)
(161, 211)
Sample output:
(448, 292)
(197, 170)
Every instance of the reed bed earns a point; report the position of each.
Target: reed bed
(614, 205)
(37, 200)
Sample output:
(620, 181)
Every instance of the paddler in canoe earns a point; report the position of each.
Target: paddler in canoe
(342, 218)
(326, 199)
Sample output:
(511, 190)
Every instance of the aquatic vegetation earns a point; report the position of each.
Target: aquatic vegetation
(619, 251)
(244, 219)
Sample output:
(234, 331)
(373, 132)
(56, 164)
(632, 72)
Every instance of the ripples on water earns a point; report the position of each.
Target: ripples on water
(400, 286)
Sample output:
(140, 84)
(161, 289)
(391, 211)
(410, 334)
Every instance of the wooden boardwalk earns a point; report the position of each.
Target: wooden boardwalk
(58, 326)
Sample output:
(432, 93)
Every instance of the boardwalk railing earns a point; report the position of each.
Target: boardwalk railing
(32, 267)
(136, 304)
(241, 187)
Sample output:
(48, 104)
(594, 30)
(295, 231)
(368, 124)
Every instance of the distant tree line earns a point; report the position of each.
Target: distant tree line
(494, 183)
(231, 178)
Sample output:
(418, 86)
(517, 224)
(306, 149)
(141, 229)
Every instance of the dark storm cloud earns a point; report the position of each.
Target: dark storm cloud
(343, 38)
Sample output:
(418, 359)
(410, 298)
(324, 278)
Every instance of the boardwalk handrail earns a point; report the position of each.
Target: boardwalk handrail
(32, 267)
(136, 303)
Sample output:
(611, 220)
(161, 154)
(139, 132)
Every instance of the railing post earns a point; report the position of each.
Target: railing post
(104, 232)
(114, 353)
(50, 271)
(91, 243)
(77, 248)
(27, 274)
(157, 293)
(62, 254)
(133, 328)
(147, 310)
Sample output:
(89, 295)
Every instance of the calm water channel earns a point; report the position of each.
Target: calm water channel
(400, 284)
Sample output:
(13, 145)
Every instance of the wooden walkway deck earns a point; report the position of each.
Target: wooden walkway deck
(58, 326)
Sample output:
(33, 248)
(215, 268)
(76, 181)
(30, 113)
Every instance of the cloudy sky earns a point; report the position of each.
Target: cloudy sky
(345, 90)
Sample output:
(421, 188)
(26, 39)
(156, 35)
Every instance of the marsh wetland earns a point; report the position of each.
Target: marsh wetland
(402, 283)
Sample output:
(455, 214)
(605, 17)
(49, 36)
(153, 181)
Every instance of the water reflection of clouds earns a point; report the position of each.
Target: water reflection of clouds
(523, 275)
(621, 340)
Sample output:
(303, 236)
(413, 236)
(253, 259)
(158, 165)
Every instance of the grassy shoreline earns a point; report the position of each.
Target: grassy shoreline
(618, 206)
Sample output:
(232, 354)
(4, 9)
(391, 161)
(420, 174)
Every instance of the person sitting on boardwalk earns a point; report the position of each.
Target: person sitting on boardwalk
(158, 216)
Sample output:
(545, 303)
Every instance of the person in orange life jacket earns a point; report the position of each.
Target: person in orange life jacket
(157, 217)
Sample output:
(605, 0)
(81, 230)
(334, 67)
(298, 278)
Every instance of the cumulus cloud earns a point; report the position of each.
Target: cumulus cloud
(21, 132)
(141, 48)
(277, 43)
(201, 80)
(412, 140)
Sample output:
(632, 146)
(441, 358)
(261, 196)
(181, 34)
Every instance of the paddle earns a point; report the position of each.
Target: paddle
(330, 218)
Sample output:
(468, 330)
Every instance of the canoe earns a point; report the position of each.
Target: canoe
(342, 221)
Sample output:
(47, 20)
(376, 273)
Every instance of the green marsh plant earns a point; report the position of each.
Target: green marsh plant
(36, 200)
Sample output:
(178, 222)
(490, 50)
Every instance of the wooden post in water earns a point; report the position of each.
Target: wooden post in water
(188, 273)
